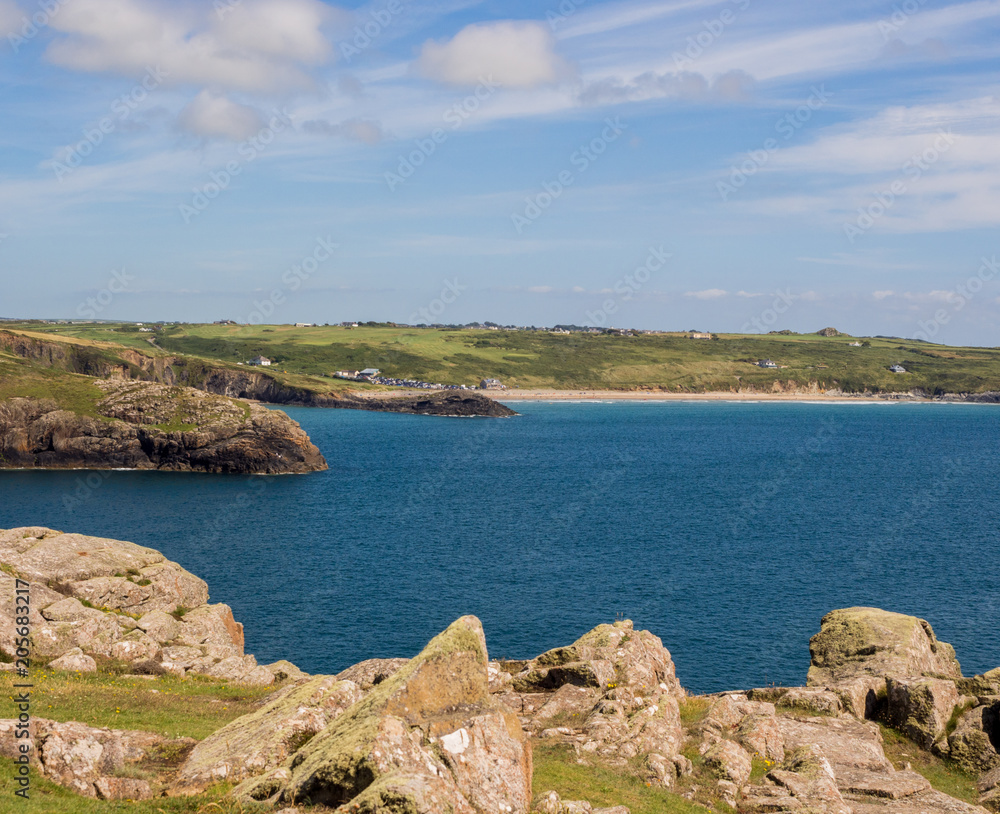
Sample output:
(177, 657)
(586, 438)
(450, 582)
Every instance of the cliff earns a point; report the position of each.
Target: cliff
(141, 425)
(886, 724)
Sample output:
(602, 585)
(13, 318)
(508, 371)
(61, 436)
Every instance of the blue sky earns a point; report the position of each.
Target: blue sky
(802, 164)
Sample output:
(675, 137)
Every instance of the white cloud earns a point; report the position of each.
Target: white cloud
(881, 295)
(731, 86)
(11, 17)
(257, 46)
(363, 130)
(748, 294)
(708, 294)
(211, 115)
(512, 53)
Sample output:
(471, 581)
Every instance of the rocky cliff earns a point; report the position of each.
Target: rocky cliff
(452, 731)
(140, 425)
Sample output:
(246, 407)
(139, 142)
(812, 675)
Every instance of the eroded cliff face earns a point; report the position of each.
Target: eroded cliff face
(143, 425)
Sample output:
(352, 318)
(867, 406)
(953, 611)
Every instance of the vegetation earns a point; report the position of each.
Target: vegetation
(556, 769)
(307, 357)
(943, 775)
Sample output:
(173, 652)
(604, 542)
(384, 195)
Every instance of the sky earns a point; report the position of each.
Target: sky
(737, 165)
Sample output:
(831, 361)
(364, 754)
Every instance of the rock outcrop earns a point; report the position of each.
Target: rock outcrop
(428, 738)
(96, 601)
(213, 434)
(89, 760)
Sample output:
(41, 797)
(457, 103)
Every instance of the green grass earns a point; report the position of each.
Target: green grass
(48, 798)
(306, 358)
(193, 708)
(943, 775)
(556, 770)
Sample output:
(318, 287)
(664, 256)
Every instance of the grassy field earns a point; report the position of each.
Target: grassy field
(306, 357)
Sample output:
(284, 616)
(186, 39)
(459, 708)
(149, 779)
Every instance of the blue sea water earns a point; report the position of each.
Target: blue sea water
(728, 529)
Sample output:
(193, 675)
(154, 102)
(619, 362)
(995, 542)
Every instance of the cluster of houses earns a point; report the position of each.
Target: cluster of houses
(372, 375)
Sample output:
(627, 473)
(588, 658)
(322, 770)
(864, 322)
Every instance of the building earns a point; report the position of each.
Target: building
(898, 369)
(854, 344)
(699, 336)
(491, 384)
(768, 364)
(370, 372)
(260, 361)
(305, 324)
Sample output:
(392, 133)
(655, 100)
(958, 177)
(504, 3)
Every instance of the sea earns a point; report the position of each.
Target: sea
(727, 529)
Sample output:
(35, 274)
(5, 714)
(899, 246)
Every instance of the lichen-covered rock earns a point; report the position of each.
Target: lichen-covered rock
(629, 683)
(813, 700)
(74, 660)
(989, 789)
(865, 642)
(921, 707)
(371, 672)
(730, 761)
(973, 744)
(265, 738)
(86, 759)
(428, 738)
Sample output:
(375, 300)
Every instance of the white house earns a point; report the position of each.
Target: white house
(898, 369)
(260, 361)
(768, 364)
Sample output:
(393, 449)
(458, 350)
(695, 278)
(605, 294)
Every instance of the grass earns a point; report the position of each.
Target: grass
(556, 770)
(48, 798)
(306, 357)
(192, 708)
(943, 775)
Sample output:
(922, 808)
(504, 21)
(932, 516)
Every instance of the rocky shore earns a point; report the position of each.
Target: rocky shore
(451, 730)
(142, 425)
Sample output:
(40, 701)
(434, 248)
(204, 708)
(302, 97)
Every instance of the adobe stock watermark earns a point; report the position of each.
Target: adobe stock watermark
(768, 318)
(219, 180)
(711, 31)
(958, 298)
(450, 293)
(293, 278)
(121, 108)
(582, 159)
(901, 14)
(566, 9)
(31, 26)
(117, 284)
(786, 127)
(454, 117)
(628, 286)
(885, 199)
(367, 32)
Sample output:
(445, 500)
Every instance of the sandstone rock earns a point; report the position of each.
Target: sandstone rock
(569, 706)
(974, 743)
(122, 788)
(730, 760)
(846, 743)
(981, 685)
(285, 670)
(135, 646)
(265, 738)
(372, 672)
(989, 790)
(70, 609)
(813, 700)
(861, 642)
(74, 661)
(80, 757)
(240, 670)
(921, 707)
(212, 625)
(761, 735)
(428, 738)
(808, 778)
(550, 803)
(927, 802)
(628, 680)
(160, 626)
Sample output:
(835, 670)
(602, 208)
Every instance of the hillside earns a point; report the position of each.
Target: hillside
(305, 358)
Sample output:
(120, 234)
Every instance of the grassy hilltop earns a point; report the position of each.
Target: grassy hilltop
(306, 357)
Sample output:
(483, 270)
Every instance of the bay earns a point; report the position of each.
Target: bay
(728, 529)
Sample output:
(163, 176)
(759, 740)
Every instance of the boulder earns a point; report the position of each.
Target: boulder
(160, 626)
(74, 661)
(550, 803)
(627, 679)
(428, 738)
(921, 707)
(265, 738)
(989, 790)
(284, 671)
(807, 777)
(865, 642)
(975, 741)
(371, 672)
(86, 759)
(730, 761)
(813, 700)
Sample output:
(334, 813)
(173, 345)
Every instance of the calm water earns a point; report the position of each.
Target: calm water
(726, 529)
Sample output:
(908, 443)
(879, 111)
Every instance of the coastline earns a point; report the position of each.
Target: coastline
(545, 394)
